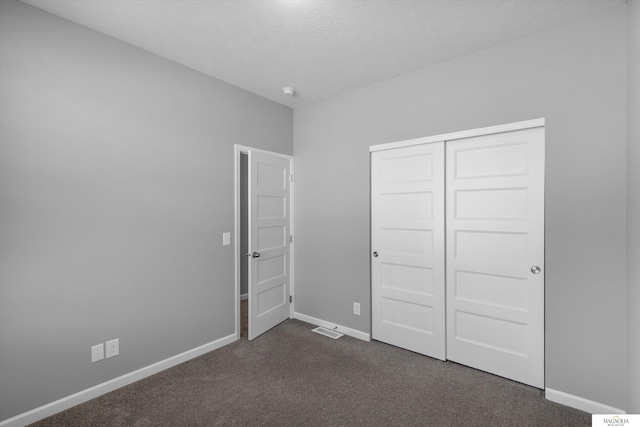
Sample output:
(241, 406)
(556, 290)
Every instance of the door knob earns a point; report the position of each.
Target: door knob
(535, 269)
(375, 254)
(255, 255)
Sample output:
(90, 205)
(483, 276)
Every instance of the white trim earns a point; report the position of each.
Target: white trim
(342, 329)
(237, 150)
(580, 402)
(292, 228)
(60, 405)
(243, 149)
(461, 134)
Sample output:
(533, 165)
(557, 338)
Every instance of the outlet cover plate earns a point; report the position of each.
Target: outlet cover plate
(113, 348)
(97, 353)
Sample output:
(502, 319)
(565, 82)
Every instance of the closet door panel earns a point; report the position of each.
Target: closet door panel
(407, 237)
(495, 235)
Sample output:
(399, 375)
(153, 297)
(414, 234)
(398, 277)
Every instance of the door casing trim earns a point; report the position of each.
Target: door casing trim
(461, 134)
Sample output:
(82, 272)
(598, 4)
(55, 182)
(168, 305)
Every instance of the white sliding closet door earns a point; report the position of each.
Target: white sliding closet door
(408, 248)
(495, 254)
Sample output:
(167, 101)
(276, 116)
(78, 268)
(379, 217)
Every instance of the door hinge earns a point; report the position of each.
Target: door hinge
(290, 237)
(290, 298)
(290, 177)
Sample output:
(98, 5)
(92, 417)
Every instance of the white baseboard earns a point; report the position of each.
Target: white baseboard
(580, 402)
(342, 329)
(52, 408)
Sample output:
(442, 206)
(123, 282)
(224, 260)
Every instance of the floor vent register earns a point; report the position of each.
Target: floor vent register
(327, 332)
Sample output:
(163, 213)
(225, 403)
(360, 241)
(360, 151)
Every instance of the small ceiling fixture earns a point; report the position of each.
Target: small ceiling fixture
(289, 91)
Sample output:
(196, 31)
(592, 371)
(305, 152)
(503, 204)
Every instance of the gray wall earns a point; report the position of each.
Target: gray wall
(633, 208)
(116, 186)
(575, 77)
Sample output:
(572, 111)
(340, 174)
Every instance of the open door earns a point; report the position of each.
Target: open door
(269, 230)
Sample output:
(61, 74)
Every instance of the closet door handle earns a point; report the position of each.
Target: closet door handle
(375, 254)
(256, 254)
(535, 269)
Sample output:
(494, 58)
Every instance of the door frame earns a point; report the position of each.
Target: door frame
(238, 151)
(461, 134)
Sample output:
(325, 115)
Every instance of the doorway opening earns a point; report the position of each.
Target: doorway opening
(244, 245)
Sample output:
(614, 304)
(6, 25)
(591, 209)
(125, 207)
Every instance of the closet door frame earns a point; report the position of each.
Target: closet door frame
(527, 124)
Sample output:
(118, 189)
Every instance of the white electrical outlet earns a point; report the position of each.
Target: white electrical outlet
(113, 348)
(356, 308)
(226, 239)
(97, 353)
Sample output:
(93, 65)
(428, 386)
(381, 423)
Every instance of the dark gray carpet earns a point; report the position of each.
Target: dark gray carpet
(291, 376)
(244, 318)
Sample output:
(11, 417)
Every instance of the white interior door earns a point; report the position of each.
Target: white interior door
(495, 254)
(269, 224)
(407, 237)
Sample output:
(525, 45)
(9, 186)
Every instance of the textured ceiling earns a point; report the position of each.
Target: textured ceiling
(321, 48)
